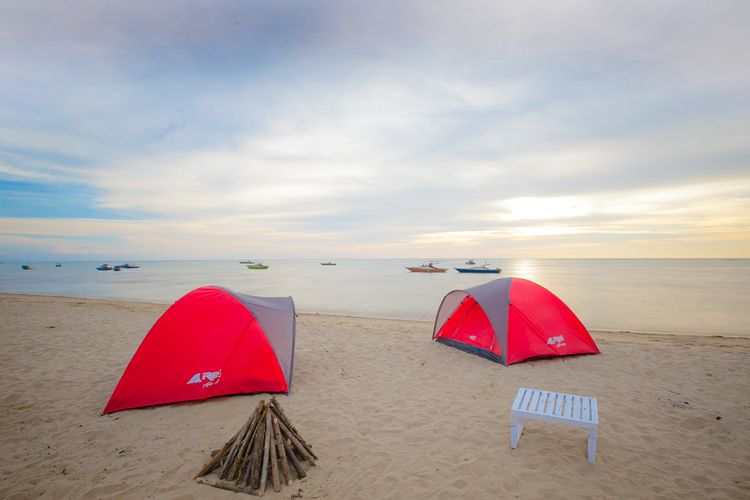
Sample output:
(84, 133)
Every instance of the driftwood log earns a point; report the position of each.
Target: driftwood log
(267, 444)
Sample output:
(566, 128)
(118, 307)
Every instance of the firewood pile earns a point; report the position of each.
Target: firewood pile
(267, 447)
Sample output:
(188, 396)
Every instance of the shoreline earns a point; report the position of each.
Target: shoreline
(597, 331)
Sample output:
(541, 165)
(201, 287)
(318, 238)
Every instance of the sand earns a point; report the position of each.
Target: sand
(390, 413)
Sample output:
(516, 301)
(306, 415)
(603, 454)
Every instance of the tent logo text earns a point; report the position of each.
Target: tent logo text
(556, 341)
(206, 378)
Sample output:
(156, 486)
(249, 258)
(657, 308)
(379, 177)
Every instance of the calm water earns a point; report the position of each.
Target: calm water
(677, 296)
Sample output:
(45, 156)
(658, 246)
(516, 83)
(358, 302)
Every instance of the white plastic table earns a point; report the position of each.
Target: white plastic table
(570, 409)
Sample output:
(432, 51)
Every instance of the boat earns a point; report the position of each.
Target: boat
(427, 268)
(470, 262)
(257, 265)
(58, 265)
(104, 267)
(327, 263)
(484, 268)
(247, 262)
(128, 265)
(26, 267)
(117, 268)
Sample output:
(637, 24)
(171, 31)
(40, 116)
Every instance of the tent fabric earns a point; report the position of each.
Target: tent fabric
(272, 313)
(211, 342)
(510, 320)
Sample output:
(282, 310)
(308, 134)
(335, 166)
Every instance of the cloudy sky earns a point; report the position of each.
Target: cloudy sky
(226, 129)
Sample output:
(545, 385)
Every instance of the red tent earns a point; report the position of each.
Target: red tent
(509, 320)
(211, 342)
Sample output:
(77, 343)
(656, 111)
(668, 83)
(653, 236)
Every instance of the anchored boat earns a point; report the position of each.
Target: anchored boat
(484, 268)
(427, 268)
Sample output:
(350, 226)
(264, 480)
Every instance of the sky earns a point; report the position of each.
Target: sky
(419, 129)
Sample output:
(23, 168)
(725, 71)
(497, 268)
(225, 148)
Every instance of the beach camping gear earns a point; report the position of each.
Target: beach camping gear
(569, 409)
(267, 448)
(509, 320)
(211, 342)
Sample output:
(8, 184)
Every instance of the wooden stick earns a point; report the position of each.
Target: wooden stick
(274, 404)
(234, 471)
(238, 441)
(226, 485)
(229, 462)
(257, 417)
(297, 445)
(244, 457)
(266, 449)
(293, 458)
(233, 451)
(216, 459)
(247, 467)
(274, 462)
(252, 473)
(281, 452)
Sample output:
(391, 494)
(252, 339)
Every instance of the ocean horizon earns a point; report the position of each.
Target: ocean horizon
(676, 296)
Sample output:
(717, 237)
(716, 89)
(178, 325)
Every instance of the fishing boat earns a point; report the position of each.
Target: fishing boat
(104, 267)
(257, 265)
(484, 268)
(327, 263)
(427, 268)
(128, 265)
(26, 267)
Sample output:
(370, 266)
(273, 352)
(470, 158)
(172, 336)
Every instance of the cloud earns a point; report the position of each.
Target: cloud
(379, 128)
(726, 199)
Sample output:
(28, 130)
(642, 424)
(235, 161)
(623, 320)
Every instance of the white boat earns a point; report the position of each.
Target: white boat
(484, 268)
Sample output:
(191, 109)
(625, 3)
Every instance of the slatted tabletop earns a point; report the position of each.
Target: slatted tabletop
(571, 408)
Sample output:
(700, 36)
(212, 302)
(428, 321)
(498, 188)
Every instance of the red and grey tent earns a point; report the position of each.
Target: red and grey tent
(509, 320)
(211, 342)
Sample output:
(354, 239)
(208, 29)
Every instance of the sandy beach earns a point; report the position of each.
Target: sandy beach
(390, 413)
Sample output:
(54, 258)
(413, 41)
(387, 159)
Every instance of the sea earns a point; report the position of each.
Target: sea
(676, 296)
